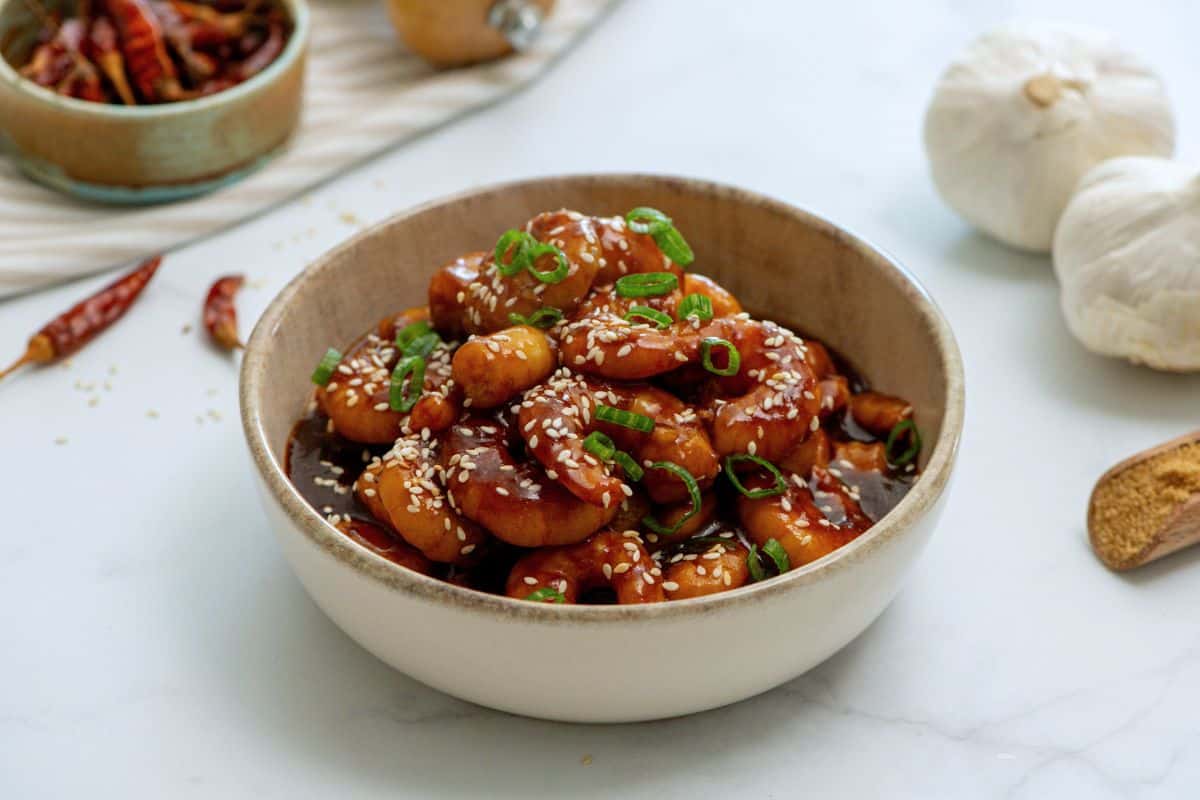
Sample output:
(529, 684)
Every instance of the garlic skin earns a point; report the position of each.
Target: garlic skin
(1127, 254)
(1029, 108)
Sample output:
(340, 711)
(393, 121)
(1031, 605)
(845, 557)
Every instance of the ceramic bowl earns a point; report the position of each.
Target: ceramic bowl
(612, 663)
(146, 154)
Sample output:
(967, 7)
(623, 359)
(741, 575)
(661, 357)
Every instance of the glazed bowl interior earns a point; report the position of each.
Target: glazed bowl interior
(781, 263)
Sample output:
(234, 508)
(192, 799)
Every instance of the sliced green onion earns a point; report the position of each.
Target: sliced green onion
(603, 448)
(401, 397)
(777, 554)
(693, 489)
(544, 318)
(326, 366)
(658, 318)
(779, 487)
(626, 419)
(696, 305)
(406, 335)
(754, 564)
(647, 284)
(546, 593)
(423, 345)
(914, 442)
(599, 445)
(735, 358)
(647, 220)
(633, 470)
(666, 235)
(520, 243)
(552, 276)
(674, 246)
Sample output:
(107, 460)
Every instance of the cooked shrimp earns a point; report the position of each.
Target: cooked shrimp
(724, 304)
(556, 417)
(357, 397)
(605, 344)
(385, 544)
(838, 501)
(794, 519)
(609, 558)
(492, 298)
(878, 413)
(863, 456)
(671, 515)
(814, 451)
(623, 252)
(515, 500)
(494, 368)
(718, 568)
(834, 394)
(448, 293)
(770, 405)
(404, 490)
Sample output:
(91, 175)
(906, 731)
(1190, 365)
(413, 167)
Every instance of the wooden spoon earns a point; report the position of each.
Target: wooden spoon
(1180, 529)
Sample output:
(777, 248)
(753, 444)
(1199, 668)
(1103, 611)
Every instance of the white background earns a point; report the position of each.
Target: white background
(154, 644)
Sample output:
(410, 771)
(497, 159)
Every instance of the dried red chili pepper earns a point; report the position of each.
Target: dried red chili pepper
(220, 313)
(71, 330)
(145, 50)
(261, 58)
(102, 47)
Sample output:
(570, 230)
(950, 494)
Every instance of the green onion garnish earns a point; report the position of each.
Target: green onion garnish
(696, 305)
(914, 442)
(754, 564)
(666, 235)
(599, 445)
(693, 489)
(647, 284)
(606, 450)
(546, 593)
(401, 397)
(779, 487)
(406, 335)
(552, 276)
(654, 316)
(735, 358)
(423, 345)
(633, 470)
(674, 246)
(326, 366)
(544, 318)
(647, 220)
(520, 243)
(777, 554)
(626, 419)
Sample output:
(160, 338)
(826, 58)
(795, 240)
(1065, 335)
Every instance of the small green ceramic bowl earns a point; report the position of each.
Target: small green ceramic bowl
(145, 154)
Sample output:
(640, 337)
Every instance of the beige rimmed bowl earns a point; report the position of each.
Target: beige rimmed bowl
(612, 663)
(145, 154)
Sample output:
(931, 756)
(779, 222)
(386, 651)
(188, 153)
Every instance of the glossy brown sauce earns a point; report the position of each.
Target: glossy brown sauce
(323, 466)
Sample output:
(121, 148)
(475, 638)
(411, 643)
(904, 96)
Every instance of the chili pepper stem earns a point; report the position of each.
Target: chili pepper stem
(40, 351)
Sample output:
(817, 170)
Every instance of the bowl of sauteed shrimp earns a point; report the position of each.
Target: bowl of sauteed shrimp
(524, 441)
(145, 101)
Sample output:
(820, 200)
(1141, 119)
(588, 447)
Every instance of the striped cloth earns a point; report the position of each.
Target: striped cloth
(363, 94)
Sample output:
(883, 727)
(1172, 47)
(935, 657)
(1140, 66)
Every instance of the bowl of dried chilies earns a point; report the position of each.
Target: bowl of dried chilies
(142, 101)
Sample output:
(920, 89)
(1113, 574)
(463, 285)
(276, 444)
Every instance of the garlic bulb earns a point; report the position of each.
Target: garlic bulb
(1025, 112)
(1127, 253)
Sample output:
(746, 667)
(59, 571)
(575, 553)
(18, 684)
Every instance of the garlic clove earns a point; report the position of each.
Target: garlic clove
(1018, 119)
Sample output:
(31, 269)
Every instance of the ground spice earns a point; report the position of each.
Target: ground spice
(1129, 510)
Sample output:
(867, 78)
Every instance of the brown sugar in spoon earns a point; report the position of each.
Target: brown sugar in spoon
(1147, 506)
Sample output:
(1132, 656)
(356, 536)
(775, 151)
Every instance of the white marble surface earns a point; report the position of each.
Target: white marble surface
(154, 644)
